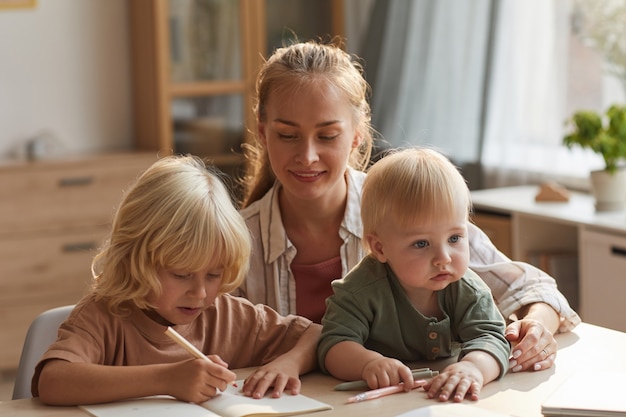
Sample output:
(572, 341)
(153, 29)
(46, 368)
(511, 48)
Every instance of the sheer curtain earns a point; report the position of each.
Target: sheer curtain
(526, 104)
(488, 82)
(426, 63)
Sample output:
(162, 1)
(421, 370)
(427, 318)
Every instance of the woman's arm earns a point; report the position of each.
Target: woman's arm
(529, 297)
(516, 285)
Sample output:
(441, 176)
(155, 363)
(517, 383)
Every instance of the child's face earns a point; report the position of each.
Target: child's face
(309, 134)
(426, 255)
(185, 294)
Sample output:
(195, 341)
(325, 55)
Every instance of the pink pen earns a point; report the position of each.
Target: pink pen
(381, 392)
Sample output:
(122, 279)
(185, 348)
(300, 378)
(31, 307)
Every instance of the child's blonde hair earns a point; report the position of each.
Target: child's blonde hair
(177, 215)
(409, 184)
(298, 65)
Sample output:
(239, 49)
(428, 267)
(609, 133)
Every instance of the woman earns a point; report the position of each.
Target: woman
(302, 194)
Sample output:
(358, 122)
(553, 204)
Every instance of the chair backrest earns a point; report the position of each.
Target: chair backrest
(41, 333)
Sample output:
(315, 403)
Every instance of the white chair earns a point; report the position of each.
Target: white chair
(41, 333)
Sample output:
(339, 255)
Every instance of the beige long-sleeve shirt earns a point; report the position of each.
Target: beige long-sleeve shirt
(270, 280)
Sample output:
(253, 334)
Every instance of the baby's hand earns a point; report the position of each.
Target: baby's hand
(457, 380)
(383, 372)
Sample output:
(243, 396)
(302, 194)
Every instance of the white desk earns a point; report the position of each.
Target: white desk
(596, 242)
(519, 394)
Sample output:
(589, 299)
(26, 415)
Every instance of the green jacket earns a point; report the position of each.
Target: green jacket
(370, 307)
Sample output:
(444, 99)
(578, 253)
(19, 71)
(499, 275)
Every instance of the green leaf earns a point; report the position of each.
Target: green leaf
(589, 132)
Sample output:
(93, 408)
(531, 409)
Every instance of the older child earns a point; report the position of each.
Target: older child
(303, 194)
(413, 297)
(176, 247)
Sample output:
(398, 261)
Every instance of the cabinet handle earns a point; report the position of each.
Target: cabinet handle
(79, 247)
(75, 181)
(615, 250)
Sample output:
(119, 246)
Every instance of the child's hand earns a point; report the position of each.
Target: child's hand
(281, 374)
(197, 380)
(383, 372)
(456, 381)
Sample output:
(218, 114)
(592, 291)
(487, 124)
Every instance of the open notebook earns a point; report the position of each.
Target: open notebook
(231, 403)
(589, 394)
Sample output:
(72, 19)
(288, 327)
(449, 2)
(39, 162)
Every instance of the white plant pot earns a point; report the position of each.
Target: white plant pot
(609, 190)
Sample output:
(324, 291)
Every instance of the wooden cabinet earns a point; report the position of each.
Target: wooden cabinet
(195, 63)
(497, 227)
(583, 249)
(53, 217)
(603, 264)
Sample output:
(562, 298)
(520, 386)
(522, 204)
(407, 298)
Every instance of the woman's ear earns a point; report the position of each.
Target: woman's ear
(376, 247)
(357, 140)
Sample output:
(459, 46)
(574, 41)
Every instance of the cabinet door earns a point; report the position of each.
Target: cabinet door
(603, 279)
(193, 75)
(66, 194)
(498, 228)
(207, 78)
(39, 272)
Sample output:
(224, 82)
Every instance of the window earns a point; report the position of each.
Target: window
(546, 66)
(491, 82)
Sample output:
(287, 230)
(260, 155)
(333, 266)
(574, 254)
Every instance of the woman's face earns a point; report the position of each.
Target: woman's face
(309, 133)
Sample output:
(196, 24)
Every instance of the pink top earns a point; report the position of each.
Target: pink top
(313, 287)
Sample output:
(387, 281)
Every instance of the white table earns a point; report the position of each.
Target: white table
(519, 394)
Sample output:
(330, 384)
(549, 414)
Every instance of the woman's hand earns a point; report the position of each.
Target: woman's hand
(534, 346)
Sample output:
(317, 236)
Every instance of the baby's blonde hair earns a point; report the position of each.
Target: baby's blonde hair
(408, 184)
(177, 215)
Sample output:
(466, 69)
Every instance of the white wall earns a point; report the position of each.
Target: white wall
(65, 75)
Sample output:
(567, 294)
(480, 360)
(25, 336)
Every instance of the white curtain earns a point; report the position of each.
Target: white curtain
(527, 101)
(488, 82)
(426, 62)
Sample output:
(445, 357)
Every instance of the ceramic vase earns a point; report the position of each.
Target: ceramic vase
(609, 190)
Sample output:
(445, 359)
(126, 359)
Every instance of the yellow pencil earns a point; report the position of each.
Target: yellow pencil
(175, 336)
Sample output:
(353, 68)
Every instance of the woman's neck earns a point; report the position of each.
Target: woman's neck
(313, 226)
(326, 211)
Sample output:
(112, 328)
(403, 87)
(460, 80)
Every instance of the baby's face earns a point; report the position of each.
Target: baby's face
(428, 254)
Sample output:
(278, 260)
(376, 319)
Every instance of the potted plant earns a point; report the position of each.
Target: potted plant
(606, 136)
